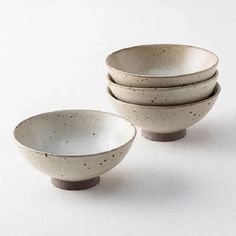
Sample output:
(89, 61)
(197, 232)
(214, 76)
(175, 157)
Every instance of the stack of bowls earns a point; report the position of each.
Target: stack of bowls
(163, 88)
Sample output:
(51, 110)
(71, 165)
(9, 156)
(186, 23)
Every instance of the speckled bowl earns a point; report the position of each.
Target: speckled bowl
(74, 147)
(161, 65)
(165, 123)
(163, 96)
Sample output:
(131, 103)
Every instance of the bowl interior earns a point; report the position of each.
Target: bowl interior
(74, 132)
(162, 60)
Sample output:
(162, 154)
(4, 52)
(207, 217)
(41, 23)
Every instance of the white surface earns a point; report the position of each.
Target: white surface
(74, 133)
(52, 57)
(162, 60)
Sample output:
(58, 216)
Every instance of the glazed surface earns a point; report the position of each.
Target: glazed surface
(161, 65)
(165, 119)
(163, 96)
(74, 132)
(162, 60)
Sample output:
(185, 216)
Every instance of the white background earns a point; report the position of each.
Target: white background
(52, 56)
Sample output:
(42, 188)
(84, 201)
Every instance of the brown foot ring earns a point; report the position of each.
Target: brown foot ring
(75, 185)
(163, 137)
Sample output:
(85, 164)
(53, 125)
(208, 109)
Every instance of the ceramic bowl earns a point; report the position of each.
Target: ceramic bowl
(161, 65)
(165, 123)
(163, 96)
(74, 147)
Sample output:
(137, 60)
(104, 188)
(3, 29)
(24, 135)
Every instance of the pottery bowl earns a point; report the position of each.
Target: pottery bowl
(74, 147)
(161, 65)
(163, 96)
(165, 123)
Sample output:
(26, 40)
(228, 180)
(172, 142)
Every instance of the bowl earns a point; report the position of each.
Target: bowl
(165, 123)
(161, 65)
(74, 147)
(163, 96)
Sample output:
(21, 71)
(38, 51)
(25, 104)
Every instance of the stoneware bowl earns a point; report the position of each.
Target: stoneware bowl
(74, 147)
(161, 65)
(163, 96)
(165, 123)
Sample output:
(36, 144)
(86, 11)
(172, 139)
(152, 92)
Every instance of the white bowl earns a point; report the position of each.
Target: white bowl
(74, 147)
(161, 65)
(165, 123)
(163, 96)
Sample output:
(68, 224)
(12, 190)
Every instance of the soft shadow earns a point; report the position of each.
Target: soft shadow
(218, 137)
(201, 134)
(150, 187)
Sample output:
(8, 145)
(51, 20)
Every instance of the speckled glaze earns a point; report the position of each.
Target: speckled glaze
(161, 65)
(165, 119)
(74, 145)
(163, 96)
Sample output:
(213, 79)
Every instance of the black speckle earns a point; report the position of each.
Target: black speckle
(163, 50)
(113, 155)
(194, 114)
(152, 100)
(61, 175)
(190, 112)
(46, 154)
(100, 164)
(105, 160)
(71, 116)
(58, 115)
(67, 141)
(85, 164)
(64, 158)
(93, 133)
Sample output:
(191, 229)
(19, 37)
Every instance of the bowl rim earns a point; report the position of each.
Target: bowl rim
(73, 155)
(185, 86)
(161, 77)
(217, 90)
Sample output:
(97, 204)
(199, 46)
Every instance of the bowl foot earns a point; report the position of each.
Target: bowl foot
(75, 185)
(163, 137)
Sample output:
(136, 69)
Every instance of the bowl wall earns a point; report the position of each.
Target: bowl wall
(74, 145)
(163, 96)
(165, 119)
(161, 65)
